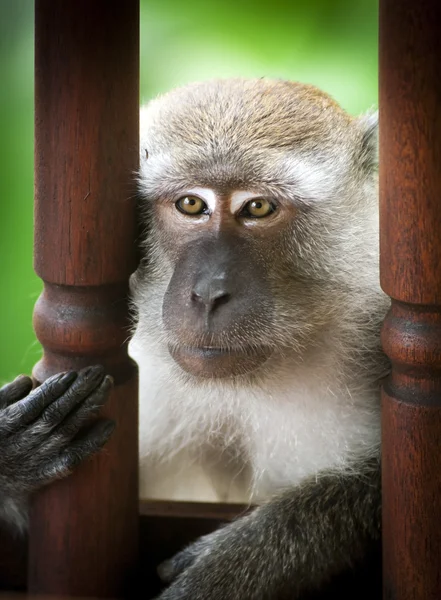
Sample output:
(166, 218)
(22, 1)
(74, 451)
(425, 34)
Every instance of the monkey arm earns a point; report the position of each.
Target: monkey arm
(38, 433)
(290, 545)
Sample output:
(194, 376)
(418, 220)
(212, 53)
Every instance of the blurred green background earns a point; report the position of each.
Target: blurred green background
(330, 43)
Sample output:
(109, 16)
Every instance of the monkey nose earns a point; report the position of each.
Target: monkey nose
(211, 294)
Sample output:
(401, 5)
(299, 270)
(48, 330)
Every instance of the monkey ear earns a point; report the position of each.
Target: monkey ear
(369, 141)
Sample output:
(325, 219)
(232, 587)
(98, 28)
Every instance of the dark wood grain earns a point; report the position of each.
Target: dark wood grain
(13, 560)
(410, 208)
(192, 510)
(83, 535)
(166, 527)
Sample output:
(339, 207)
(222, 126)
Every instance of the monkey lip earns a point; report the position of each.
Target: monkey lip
(215, 362)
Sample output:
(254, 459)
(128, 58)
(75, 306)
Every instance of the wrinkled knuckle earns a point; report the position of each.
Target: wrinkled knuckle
(68, 430)
(43, 392)
(52, 415)
(90, 446)
(71, 396)
(80, 391)
(91, 411)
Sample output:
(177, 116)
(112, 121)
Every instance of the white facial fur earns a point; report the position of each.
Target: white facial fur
(297, 423)
(239, 198)
(315, 411)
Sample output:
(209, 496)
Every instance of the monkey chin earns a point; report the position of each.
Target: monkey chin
(216, 363)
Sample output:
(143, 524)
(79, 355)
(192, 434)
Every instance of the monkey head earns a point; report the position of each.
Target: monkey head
(259, 199)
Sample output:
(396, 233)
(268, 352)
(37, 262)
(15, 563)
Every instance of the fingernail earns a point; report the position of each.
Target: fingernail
(67, 378)
(55, 378)
(20, 377)
(95, 372)
(23, 380)
(109, 379)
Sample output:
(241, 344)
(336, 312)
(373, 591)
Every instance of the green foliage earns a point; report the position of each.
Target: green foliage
(330, 43)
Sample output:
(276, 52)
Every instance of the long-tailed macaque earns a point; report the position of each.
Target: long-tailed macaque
(258, 316)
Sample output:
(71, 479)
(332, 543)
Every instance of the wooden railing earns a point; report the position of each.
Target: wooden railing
(86, 152)
(410, 203)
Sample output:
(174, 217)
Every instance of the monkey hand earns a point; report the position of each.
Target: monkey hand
(234, 562)
(39, 429)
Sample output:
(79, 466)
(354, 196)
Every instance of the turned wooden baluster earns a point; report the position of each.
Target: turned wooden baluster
(410, 190)
(83, 535)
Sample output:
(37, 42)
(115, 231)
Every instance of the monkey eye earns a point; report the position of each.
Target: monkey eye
(257, 208)
(191, 205)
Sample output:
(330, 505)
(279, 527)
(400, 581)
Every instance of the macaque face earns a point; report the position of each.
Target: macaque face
(219, 299)
(246, 190)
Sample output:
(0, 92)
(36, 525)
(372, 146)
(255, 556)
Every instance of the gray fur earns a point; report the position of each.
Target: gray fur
(286, 547)
(306, 423)
(39, 429)
(315, 463)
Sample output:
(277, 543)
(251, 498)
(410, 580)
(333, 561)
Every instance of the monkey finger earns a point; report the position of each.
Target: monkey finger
(16, 390)
(85, 383)
(93, 403)
(21, 413)
(46, 439)
(170, 569)
(83, 448)
(165, 571)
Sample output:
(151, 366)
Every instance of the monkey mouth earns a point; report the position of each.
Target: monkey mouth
(216, 362)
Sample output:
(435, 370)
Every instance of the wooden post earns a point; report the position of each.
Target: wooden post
(410, 190)
(83, 535)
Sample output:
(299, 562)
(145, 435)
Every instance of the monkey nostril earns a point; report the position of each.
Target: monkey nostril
(196, 298)
(211, 299)
(220, 298)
